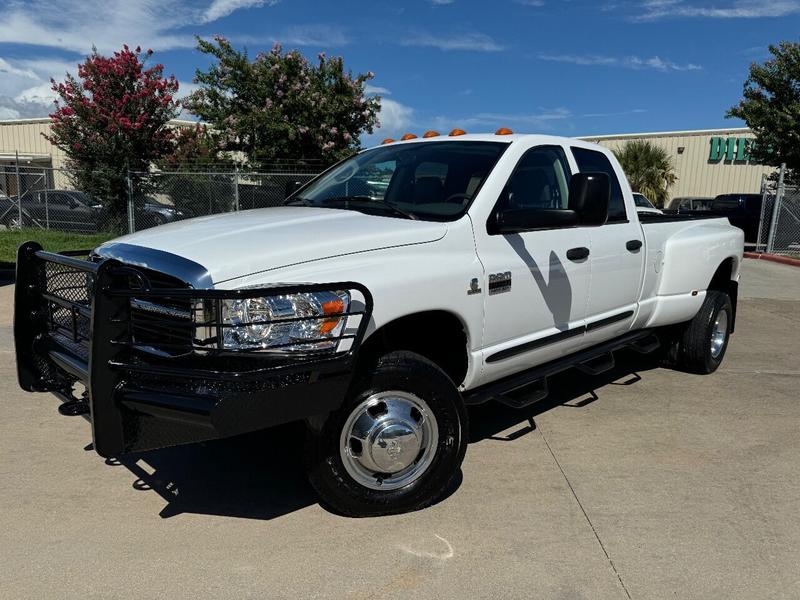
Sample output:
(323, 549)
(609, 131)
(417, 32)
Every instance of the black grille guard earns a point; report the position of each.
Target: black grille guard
(74, 323)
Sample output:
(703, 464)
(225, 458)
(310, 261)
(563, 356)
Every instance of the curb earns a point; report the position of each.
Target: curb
(784, 260)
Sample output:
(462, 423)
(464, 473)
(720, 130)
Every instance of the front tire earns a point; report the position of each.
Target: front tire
(395, 445)
(702, 343)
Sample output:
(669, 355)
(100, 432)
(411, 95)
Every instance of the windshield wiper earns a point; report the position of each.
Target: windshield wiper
(346, 200)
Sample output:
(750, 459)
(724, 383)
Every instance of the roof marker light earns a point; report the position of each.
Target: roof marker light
(503, 131)
(408, 136)
(387, 141)
(430, 134)
(456, 132)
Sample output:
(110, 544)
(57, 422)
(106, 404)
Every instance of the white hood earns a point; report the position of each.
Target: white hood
(242, 243)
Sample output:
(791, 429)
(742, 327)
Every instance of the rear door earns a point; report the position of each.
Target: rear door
(617, 258)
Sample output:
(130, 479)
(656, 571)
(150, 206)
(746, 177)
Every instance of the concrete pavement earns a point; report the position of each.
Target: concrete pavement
(643, 483)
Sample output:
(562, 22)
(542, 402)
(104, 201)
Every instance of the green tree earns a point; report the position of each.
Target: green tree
(111, 119)
(649, 169)
(771, 108)
(280, 106)
(195, 175)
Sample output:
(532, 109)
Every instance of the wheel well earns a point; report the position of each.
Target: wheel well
(437, 335)
(722, 277)
(721, 281)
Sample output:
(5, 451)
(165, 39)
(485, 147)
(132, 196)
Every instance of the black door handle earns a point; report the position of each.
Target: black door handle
(577, 253)
(633, 245)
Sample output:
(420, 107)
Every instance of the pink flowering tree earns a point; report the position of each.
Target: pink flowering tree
(280, 106)
(112, 119)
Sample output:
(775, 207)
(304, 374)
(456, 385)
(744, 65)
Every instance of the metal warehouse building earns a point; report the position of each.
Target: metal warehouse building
(707, 162)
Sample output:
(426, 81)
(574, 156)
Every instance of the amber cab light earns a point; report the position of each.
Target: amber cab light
(408, 136)
(387, 141)
(456, 132)
(429, 134)
(503, 131)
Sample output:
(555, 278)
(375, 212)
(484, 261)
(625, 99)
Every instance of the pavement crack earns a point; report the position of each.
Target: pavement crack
(585, 514)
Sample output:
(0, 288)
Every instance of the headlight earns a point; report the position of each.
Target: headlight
(292, 322)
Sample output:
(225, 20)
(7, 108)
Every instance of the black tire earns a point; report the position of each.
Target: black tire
(693, 350)
(401, 372)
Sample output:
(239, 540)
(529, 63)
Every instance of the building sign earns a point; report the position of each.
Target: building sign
(732, 149)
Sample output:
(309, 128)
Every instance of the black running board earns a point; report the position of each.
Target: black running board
(591, 361)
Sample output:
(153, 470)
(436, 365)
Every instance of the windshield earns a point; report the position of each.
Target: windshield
(642, 202)
(434, 181)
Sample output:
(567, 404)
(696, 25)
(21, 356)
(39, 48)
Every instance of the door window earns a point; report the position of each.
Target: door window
(591, 161)
(540, 181)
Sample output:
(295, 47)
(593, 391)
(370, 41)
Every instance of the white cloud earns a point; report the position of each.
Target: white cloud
(7, 69)
(478, 42)
(629, 62)
(536, 3)
(376, 89)
(314, 35)
(222, 8)
(77, 25)
(651, 10)
(25, 85)
(394, 116)
(319, 35)
(441, 2)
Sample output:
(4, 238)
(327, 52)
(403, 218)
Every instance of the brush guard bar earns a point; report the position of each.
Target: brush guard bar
(81, 322)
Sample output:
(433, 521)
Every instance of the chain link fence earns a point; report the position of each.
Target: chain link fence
(47, 198)
(779, 228)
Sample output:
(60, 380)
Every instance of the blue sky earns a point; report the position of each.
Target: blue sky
(568, 67)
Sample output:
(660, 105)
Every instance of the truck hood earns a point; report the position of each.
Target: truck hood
(242, 243)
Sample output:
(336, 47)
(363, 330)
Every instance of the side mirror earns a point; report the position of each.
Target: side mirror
(518, 220)
(589, 194)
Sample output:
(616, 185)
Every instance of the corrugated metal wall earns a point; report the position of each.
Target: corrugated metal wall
(25, 137)
(697, 175)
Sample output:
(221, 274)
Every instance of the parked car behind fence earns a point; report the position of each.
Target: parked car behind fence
(79, 212)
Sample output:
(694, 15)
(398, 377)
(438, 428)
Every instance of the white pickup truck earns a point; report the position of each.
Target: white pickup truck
(391, 292)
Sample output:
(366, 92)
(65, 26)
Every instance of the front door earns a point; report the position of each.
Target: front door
(535, 289)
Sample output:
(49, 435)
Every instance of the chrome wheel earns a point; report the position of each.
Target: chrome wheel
(13, 223)
(719, 333)
(389, 440)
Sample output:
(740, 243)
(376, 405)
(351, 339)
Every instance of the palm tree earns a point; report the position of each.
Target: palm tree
(649, 169)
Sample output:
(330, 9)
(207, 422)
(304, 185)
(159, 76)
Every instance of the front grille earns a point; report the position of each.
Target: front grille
(163, 325)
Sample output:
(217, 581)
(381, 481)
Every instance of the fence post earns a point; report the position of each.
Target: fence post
(46, 209)
(19, 189)
(131, 220)
(776, 210)
(763, 192)
(236, 189)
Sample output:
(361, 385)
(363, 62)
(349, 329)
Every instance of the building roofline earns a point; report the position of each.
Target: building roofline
(689, 132)
(23, 121)
(47, 120)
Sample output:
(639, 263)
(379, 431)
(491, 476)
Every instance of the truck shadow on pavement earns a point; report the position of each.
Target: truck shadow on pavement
(261, 475)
